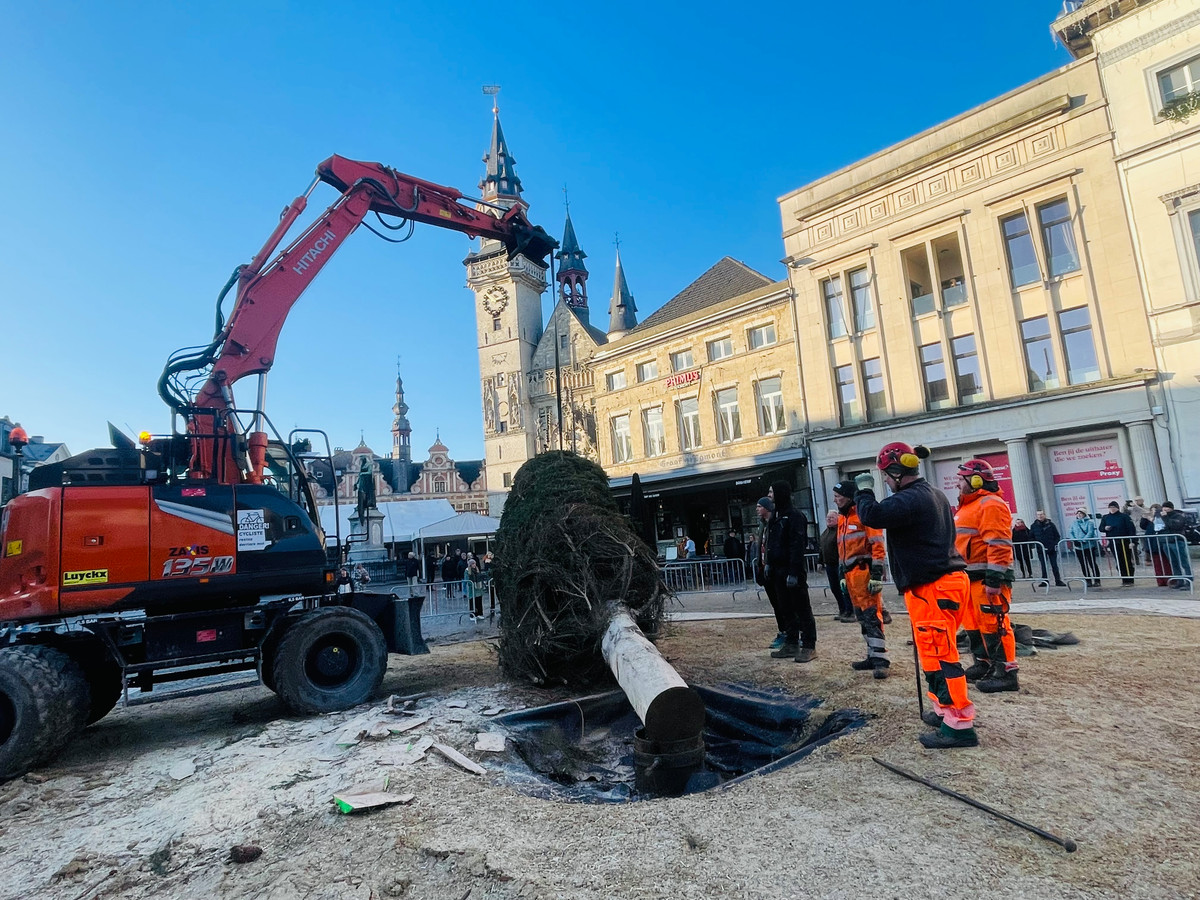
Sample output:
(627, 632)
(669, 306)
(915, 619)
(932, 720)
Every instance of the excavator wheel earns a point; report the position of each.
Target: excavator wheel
(329, 659)
(106, 683)
(269, 649)
(44, 700)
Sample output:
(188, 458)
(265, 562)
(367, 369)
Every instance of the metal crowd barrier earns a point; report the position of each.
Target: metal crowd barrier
(691, 575)
(1162, 559)
(442, 598)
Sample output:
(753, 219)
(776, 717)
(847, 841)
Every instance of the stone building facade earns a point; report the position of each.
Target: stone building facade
(975, 289)
(1147, 55)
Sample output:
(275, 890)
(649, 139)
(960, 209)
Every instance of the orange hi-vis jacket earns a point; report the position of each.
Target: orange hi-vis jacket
(859, 545)
(983, 537)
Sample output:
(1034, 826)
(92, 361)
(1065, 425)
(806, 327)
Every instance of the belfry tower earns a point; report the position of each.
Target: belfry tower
(508, 318)
(401, 430)
(572, 273)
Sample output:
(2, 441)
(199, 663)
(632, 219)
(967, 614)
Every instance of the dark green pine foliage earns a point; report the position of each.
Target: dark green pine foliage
(566, 560)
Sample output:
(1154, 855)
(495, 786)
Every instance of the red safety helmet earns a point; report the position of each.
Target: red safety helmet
(977, 468)
(899, 455)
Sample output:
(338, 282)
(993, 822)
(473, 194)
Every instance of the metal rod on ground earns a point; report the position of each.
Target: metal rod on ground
(1065, 843)
(917, 667)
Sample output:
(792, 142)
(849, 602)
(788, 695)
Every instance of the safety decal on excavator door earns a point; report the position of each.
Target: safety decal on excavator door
(12, 548)
(87, 576)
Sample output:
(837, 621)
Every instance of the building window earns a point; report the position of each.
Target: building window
(729, 420)
(915, 261)
(933, 367)
(647, 371)
(1018, 243)
(564, 341)
(831, 288)
(860, 296)
(1178, 81)
(621, 442)
(770, 406)
(872, 374)
(950, 272)
(681, 360)
(1058, 237)
(615, 380)
(763, 336)
(1039, 354)
(655, 433)
(967, 379)
(495, 323)
(851, 411)
(721, 348)
(1078, 347)
(689, 423)
(507, 479)
(439, 486)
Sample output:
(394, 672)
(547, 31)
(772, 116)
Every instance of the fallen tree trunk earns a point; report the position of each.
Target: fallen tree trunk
(668, 708)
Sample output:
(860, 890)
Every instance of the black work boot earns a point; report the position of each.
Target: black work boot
(932, 719)
(983, 664)
(863, 665)
(787, 651)
(881, 670)
(947, 738)
(1001, 679)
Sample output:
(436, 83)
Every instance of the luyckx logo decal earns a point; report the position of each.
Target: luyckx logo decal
(87, 576)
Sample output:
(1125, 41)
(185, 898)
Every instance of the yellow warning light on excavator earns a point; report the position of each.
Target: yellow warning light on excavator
(144, 437)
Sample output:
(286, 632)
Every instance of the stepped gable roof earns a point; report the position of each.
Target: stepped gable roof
(727, 279)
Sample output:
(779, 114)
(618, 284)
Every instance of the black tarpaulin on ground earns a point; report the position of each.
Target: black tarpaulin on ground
(582, 750)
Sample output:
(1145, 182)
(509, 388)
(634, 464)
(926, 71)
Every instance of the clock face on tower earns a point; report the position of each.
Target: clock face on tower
(495, 299)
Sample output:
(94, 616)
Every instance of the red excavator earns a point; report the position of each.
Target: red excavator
(201, 552)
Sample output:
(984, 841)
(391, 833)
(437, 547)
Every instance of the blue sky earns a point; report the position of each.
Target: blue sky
(149, 148)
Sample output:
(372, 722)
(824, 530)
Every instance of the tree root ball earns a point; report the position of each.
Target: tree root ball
(566, 559)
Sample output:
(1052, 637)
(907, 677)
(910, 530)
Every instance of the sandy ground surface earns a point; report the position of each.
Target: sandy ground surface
(1099, 746)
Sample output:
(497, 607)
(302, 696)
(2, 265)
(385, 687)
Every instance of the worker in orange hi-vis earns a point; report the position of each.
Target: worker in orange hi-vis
(861, 558)
(927, 568)
(983, 537)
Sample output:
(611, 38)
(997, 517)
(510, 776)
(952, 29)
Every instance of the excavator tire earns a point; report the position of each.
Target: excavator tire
(329, 659)
(44, 700)
(269, 649)
(106, 683)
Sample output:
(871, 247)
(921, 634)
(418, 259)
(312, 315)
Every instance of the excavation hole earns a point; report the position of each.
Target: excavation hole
(590, 749)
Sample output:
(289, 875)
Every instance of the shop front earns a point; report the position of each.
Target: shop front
(708, 506)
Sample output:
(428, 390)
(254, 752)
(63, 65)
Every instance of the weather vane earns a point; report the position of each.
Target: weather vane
(566, 200)
(617, 239)
(492, 90)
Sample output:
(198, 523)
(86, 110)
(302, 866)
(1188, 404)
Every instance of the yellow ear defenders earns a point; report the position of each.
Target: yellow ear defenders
(909, 460)
(975, 482)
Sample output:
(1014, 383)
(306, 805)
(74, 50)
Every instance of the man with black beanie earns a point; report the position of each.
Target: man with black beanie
(787, 536)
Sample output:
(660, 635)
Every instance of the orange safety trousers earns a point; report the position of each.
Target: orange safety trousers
(989, 616)
(935, 610)
(856, 586)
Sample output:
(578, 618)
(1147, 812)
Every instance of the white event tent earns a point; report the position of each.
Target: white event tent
(402, 519)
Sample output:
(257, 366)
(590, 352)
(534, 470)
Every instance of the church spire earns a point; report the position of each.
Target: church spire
(572, 273)
(401, 430)
(622, 312)
(500, 182)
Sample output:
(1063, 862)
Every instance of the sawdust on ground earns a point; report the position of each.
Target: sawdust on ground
(1099, 746)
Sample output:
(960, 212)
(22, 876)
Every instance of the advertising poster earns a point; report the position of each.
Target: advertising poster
(945, 475)
(1087, 475)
